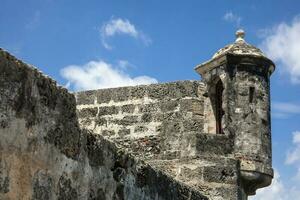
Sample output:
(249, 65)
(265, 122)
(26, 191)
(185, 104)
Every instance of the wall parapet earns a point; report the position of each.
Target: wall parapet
(44, 154)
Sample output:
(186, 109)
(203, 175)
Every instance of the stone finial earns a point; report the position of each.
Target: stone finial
(240, 34)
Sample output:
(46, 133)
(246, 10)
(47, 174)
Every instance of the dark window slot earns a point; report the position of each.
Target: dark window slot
(251, 94)
(219, 111)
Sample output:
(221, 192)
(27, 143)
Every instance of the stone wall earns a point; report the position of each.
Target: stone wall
(158, 121)
(163, 124)
(44, 154)
(144, 142)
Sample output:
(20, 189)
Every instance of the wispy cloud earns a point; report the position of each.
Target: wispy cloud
(124, 65)
(285, 109)
(233, 18)
(278, 190)
(99, 74)
(282, 44)
(121, 27)
(293, 155)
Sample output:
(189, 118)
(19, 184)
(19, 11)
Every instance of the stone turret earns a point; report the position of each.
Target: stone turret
(237, 82)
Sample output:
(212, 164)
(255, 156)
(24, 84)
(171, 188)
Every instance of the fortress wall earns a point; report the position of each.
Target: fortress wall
(163, 124)
(44, 154)
(158, 121)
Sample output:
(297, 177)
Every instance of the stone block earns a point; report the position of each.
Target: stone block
(128, 108)
(107, 133)
(168, 116)
(214, 144)
(146, 108)
(146, 117)
(108, 110)
(193, 125)
(166, 106)
(120, 94)
(101, 121)
(103, 96)
(85, 97)
(140, 129)
(123, 132)
(220, 174)
(196, 106)
(169, 128)
(87, 112)
(127, 120)
(138, 92)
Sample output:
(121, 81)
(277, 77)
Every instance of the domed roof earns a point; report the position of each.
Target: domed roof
(239, 47)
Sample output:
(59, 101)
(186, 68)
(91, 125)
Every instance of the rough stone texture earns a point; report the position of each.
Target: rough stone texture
(44, 154)
(172, 126)
(248, 122)
(165, 132)
(245, 74)
(154, 142)
(158, 127)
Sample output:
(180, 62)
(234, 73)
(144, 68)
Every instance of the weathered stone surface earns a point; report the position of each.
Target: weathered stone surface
(45, 155)
(98, 157)
(220, 174)
(166, 106)
(42, 185)
(171, 141)
(65, 189)
(107, 110)
(127, 120)
(146, 117)
(192, 105)
(214, 144)
(87, 112)
(140, 129)
(128, 108)
(97, 195)
(123, 132)
(4, 177)
(244, 73)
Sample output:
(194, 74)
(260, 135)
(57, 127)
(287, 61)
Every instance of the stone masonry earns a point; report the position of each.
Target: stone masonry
(162, 124)
(148, 142)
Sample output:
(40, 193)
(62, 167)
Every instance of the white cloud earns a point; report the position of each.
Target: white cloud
(124, 64)
(278, 190)
(285, 109)
(293, 159)
(296, 138)
(293, 156)
(275, 191)
(99, 74)
(282, 44)
(118, 27)
(231, 17)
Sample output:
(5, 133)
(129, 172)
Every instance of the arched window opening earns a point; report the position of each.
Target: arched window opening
(219, 111)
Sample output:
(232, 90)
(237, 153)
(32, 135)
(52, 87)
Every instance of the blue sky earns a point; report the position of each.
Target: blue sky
(136, 42)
